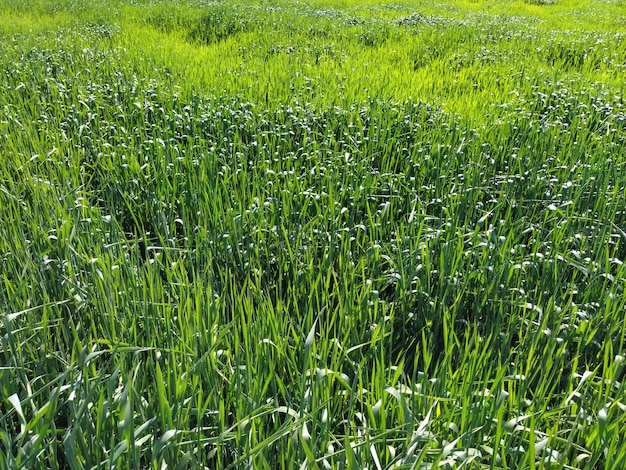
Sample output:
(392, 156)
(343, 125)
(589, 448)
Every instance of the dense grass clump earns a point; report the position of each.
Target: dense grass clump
(328, 235)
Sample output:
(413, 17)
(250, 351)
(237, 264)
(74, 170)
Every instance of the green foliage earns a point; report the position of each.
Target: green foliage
(332, 234)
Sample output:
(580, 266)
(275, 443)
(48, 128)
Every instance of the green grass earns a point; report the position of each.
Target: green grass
(330, 234)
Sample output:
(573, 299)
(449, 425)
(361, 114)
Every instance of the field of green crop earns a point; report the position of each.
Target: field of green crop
(329, 234)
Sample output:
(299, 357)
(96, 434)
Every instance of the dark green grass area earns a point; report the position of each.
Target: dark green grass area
(326, 235)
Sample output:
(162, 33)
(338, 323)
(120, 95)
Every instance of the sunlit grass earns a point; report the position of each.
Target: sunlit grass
(329, 234)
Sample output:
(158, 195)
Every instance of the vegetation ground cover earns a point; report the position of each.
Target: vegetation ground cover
(329, 234)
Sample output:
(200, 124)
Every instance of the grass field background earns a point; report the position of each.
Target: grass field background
(330, 234)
